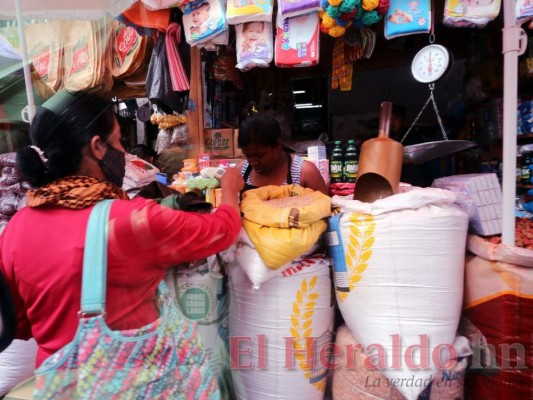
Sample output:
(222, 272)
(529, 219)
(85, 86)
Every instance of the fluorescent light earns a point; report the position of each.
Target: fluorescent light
(303, 104)
(299, 106)
(298, 91)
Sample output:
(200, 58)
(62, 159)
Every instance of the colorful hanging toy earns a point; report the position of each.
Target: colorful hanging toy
(337, 15)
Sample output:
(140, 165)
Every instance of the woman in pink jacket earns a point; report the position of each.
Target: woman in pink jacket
(76, 159)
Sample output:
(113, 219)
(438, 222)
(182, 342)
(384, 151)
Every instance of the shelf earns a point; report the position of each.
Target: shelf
(520, 186)
(528, 136)
(519, 138)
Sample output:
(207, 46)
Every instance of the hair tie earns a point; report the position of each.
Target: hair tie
(41, 155)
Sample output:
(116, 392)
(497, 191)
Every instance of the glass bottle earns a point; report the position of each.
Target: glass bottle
(336, 163)
(350, 162)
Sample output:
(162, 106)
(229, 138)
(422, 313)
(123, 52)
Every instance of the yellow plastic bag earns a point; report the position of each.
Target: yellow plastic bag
(286, 206)
(279, 246)
(284, 222)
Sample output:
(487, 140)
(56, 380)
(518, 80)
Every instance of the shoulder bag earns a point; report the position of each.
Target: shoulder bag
(163, 359)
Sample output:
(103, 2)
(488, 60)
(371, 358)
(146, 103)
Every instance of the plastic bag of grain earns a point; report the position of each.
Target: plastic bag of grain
(17, 363)
(284, 222)
(399, 265)
(200, 290)
(280, 333)
(247, 257)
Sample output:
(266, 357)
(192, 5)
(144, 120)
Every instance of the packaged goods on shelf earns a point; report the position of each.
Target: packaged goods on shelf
(480, 197)
(219, 142)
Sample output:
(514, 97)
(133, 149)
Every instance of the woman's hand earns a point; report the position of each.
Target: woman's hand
(231, 184)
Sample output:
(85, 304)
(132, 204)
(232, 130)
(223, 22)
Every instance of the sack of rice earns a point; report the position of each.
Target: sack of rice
(399, 265)
(200, 290)
(284, 222)
(280, 333)
(247, 257)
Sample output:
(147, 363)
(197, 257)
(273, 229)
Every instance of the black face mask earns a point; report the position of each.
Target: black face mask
(114, 165)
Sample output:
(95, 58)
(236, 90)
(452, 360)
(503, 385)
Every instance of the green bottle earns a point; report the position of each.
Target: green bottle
(351, 162)
(336, 163)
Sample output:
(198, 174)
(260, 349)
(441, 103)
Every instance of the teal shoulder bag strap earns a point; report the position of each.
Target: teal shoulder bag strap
(95, 278)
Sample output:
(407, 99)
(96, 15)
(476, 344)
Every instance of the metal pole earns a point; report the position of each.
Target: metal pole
(25, 61)
(514, 44)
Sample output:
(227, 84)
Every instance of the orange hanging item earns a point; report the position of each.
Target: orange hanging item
(141, 16)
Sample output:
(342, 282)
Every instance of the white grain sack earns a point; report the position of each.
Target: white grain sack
(263, 323)
(399, 268)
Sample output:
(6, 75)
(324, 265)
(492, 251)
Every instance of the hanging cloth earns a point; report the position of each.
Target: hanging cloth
(180, 81)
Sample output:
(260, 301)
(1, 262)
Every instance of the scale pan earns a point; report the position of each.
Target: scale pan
(422, 152)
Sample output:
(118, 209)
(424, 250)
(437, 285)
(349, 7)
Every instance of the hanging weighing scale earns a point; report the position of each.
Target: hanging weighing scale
(429, 65)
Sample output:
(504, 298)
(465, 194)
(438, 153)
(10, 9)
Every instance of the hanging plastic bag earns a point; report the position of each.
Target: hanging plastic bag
(158, 82)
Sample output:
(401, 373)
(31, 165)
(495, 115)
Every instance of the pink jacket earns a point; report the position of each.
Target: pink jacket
(41, 256)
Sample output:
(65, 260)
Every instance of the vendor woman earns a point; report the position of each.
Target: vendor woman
(267, 160)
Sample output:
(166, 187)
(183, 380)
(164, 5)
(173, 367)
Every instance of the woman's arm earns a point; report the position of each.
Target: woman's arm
(312, 179)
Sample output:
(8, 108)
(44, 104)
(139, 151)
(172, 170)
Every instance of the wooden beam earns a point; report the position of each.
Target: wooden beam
(195, 117)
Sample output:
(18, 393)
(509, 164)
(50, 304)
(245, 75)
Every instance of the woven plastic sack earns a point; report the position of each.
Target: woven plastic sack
(200, 290)
(247, 257)
(17, 363)
(286, 314)
(498, 305)
(399, 267)
(286, 206)
(280, 229)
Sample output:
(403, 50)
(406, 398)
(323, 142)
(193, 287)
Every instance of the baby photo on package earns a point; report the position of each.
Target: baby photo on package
(203, 20)
(407, 17)
(254, 44)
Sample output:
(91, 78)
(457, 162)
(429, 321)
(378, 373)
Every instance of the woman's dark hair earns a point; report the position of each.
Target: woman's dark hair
(61, 128)
(258, 128)
(143, 151)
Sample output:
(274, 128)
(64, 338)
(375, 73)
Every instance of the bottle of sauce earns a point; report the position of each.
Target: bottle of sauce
(350, 162)
(336, 163)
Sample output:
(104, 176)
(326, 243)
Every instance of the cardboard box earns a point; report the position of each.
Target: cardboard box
(219, 142)
(237, 153)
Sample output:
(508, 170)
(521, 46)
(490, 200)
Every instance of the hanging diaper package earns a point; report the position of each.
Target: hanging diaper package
(254, 45)
(222, 39)
(297, 40)
(203, 20)
(241, 11)
(408, 17)
(470, 13)
(524, 9)
(293, 8)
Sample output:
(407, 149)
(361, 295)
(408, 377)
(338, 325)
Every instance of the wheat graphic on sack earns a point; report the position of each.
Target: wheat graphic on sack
(358, 250)
(301, 330)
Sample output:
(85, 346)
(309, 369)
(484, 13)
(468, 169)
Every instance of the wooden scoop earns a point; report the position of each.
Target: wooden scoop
(380, 163)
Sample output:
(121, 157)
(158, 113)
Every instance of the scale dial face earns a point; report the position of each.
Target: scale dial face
(430, 63)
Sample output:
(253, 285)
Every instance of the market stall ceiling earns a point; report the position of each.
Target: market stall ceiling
(63, 9)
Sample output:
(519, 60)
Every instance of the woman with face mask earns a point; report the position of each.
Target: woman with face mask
(75, 160)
